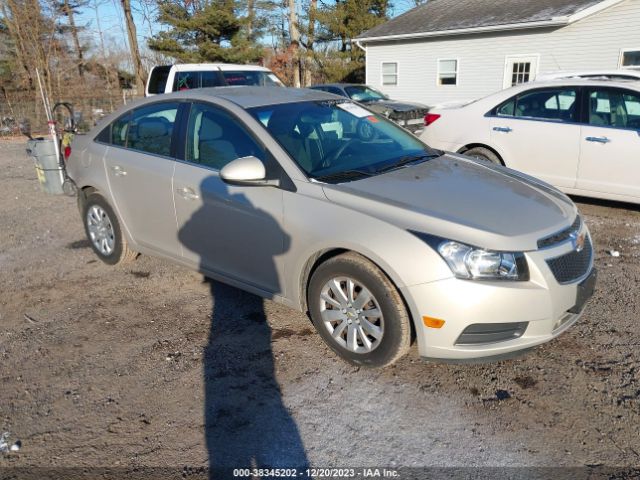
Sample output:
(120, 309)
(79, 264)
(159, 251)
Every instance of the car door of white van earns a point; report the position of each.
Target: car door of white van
(610, 144)
(535, 133)
(235, 231)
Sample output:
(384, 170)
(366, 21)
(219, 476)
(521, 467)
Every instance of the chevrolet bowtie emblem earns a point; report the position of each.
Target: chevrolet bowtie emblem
(577, 240)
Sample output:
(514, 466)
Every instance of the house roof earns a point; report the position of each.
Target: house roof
(448, 17)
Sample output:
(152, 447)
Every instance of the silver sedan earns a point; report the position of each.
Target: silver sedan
(316, 202)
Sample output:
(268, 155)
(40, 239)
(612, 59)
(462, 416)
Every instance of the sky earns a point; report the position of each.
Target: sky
(106, 16)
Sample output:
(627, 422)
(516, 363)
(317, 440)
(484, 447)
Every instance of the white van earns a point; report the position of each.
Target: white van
(186, 76)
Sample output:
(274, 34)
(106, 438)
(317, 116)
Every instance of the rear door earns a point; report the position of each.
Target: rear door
(537, 132)
(140, 167)
(610, 142)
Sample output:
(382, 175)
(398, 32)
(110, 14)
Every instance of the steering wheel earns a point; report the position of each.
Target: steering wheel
(335, 155)
(365, 131)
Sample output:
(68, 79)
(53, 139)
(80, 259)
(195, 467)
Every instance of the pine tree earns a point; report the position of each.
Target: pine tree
(210, 31)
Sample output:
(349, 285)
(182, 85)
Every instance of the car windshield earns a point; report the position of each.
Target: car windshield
(251, 77)
(362, 93)
(338, 140)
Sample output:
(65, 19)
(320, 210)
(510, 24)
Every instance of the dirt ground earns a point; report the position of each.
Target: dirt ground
(149, 365)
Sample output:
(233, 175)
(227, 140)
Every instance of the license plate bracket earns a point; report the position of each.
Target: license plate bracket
(586, 289)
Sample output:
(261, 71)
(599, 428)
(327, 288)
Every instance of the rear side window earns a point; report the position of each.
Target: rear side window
(251, 77)
(151, 128)
(158, 79)
(554, 104)
(119, 130)
(614, 108)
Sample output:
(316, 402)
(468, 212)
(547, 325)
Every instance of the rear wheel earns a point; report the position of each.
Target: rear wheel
(484, 154)
(358, 311)
(104, 233)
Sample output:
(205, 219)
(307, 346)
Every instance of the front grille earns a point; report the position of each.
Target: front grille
(561, 236)
(574, 265)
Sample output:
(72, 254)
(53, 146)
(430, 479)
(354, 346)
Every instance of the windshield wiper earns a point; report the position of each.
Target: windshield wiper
(345, 175)
(407, 160)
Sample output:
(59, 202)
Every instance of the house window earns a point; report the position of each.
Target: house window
(630, 59)
(390, 73)
(448, 72)
(520, 73)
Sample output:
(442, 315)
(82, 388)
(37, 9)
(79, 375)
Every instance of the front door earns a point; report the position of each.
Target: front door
(520, 69)
(610, 143)
(536, 132)
(235, 231)
(139, 167)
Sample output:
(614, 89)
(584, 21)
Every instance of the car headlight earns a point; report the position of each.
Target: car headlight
(477, 263)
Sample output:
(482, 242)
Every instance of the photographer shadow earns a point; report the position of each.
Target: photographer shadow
(247, 424)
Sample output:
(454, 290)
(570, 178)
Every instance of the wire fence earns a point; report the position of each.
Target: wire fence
(18, 107)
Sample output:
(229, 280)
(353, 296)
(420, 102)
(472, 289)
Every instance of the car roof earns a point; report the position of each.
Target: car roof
(339, 85)
(250, 96)
(591, 82)
(181, 67)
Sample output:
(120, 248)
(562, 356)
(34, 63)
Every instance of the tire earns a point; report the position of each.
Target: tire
(102, 228)
(482, 153)
(360, 339)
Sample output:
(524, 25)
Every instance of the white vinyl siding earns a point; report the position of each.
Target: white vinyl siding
(593, 43)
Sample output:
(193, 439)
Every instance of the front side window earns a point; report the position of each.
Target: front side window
(614, 108)
(390, 73)
(630, 59)
(331, 139)
(554, 104)
(215, 138)
(151, 128)
(448, 72)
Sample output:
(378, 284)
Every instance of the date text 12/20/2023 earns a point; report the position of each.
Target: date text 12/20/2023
(315, 473)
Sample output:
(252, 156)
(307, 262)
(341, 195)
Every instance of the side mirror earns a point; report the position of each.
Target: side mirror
(244, 171)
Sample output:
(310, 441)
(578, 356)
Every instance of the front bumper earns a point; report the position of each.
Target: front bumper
(548, 307)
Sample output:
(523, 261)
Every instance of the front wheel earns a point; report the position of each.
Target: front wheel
(484, 154)
(358, 311)
(104, 233)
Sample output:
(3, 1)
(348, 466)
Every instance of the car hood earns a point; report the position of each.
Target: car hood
(462, 199)
(380, 105)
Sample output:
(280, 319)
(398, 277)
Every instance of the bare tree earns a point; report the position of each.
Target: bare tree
(140, 75)
(294, 36)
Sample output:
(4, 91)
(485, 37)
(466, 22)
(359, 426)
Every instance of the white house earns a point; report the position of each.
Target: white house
(448, 50)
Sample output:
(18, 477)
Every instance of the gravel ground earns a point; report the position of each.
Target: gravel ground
(150, 365)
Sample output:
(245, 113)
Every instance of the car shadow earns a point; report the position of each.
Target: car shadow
(247, 425)
(606, 203)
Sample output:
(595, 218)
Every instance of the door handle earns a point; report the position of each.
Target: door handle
(118, 171)
(502, 129)
(187, 193)
(598, 139)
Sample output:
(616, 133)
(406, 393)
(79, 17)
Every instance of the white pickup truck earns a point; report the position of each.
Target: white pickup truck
(173, 78)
